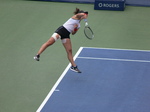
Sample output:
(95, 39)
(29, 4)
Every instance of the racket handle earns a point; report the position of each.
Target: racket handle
(86, 24)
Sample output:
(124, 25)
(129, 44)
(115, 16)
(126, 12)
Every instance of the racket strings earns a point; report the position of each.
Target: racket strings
(88, 32)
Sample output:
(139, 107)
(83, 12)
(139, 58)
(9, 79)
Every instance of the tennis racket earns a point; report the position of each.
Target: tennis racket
(88, 31)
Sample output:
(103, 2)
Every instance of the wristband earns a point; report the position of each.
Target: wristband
(75, 29)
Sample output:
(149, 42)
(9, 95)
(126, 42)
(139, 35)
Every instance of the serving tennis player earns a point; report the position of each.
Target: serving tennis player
(71, 26)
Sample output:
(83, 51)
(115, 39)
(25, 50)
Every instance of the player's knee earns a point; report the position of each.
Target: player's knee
(69, 51)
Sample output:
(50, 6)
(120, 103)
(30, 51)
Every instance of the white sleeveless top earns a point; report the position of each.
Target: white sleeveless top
(69, 25)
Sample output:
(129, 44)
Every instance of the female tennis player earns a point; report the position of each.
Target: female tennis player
(71, 26)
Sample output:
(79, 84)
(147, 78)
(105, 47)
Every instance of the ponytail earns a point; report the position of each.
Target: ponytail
(79, 11)
(76, 11)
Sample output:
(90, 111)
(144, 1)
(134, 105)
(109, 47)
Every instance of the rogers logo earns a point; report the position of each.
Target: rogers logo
(108, 5)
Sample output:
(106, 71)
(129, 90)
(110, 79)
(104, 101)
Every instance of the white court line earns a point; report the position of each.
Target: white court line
(115, 59)
(67, 68)
(131, 50)
(58, 81)
(118, 49)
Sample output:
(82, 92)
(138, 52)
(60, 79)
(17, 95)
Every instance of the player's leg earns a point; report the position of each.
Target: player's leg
(68, 46)
(51, 41)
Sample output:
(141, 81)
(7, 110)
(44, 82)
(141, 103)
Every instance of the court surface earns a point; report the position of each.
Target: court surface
(112, 80)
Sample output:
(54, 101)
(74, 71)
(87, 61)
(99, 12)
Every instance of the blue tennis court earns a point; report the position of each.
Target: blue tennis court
(112, 80)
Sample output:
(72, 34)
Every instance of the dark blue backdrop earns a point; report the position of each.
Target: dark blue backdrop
(128, 2)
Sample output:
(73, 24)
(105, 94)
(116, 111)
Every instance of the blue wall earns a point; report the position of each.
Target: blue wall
(128, 2)
(138, 2)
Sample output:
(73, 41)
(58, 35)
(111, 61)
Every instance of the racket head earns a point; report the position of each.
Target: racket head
(88, 32)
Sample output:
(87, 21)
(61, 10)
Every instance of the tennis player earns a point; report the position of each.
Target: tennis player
(71, 26)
